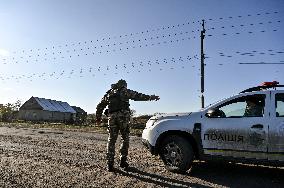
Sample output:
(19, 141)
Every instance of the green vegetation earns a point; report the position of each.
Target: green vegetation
(8, 117)
(8, 112)
(137, 125)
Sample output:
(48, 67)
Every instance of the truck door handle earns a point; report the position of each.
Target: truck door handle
(257, 126)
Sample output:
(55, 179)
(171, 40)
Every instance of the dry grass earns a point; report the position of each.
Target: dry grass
(136, 127)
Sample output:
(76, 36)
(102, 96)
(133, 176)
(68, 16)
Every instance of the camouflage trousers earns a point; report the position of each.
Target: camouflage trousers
(118, 122)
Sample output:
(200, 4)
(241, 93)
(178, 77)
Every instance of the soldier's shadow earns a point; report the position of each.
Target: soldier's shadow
(154, 178)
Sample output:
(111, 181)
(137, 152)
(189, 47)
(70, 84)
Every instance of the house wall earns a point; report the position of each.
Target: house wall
(31, 104)
(41, 115)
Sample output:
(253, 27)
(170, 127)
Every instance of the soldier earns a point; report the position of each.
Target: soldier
(117, 100)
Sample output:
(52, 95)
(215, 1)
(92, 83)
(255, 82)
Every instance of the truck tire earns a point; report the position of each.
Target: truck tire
(176, 153)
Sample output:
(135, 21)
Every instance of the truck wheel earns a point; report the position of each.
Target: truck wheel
(176, 153)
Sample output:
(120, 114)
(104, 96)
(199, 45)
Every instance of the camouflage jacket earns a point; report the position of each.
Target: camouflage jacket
(118, 99)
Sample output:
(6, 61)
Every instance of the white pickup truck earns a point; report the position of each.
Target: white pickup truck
(247, 128)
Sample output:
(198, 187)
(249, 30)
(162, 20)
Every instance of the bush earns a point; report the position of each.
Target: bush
(9, 112)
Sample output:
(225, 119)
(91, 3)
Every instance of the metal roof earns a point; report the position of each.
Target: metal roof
(78, 109)
(53, 105)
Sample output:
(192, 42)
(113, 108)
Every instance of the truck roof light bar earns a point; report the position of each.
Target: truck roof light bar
(263, 86)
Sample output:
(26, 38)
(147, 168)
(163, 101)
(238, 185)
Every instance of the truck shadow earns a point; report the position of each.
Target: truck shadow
(213, 173)
(238, 175)
(156, 179)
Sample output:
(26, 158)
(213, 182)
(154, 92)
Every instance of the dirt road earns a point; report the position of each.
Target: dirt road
(52, 158)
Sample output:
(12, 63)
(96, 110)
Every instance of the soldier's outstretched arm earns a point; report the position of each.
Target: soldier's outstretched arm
(100, 108)
(136, 96)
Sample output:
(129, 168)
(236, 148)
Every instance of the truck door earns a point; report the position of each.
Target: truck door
(237, 128)
(276, 129)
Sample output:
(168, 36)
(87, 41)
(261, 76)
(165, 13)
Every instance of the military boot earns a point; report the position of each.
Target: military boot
(123, 163)
(110, 167)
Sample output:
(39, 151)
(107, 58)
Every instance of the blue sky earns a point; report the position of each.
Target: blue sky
(73, 50)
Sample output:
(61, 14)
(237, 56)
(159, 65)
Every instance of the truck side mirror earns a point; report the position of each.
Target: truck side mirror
(215, 113)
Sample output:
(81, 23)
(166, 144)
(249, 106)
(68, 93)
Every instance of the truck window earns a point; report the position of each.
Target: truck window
(247, 106)
(279, 104)
(235, 109)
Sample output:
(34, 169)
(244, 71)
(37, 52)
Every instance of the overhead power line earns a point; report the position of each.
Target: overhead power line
(261, 63)
(138, 66)
(244, 25)
(251, 53)
(108, 39)
(243, 32)
(31, 56)
(241, 16)
(113, 44)
(115, 37)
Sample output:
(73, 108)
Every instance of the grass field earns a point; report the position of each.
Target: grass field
(137, 126)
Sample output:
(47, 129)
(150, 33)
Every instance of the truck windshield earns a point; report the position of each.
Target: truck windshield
(210, 105)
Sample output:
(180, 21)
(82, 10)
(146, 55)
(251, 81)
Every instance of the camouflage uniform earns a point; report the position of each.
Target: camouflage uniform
(117, 100)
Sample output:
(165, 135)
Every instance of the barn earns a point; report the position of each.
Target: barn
(81, 115)
(41, 109)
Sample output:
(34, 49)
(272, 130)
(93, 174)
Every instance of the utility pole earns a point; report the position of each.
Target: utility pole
(202, 36)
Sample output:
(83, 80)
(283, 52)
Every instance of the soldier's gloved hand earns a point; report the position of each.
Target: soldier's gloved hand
(154, 97)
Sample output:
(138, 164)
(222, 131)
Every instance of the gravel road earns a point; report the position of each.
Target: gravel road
(53, 158)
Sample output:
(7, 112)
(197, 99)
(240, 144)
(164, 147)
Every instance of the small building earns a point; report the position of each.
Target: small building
(41, 109)
(81, 115)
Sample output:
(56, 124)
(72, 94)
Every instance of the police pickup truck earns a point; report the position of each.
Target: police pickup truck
(247, 128)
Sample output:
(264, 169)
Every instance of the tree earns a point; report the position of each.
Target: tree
(91, 118)
(132, 113)
(8, 112)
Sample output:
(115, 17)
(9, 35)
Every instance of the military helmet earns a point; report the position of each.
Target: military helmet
(121, 83)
